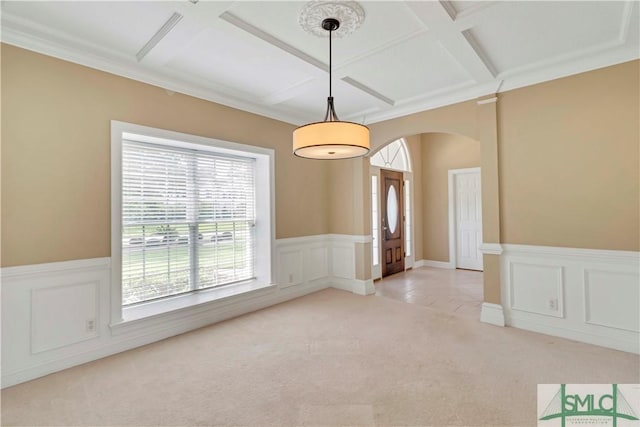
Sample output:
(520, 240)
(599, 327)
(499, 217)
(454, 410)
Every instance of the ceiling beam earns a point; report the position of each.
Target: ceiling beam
(437, 18)
(196, 18)
(159, 35)
(368, 90)
(472, 15)
(262, 35)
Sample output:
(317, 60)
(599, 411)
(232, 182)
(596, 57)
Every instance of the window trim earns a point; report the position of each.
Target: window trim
(265, 211)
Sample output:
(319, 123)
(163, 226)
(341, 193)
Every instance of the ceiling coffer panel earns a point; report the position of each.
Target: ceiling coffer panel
(416, 66)
(537, 32)
(350, 102)
(243, 62)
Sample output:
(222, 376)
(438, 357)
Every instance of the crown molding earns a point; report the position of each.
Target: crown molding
(465, 91)
(607, 55)
(25, 34)
(488, 101)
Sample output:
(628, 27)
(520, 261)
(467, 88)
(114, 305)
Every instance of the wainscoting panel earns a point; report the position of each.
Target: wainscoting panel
(343, 260)
(586, 295)
(316, 262)
(64, 315)
(536, 288)
(290, 270)
(612, 299)
(51, 312)
(57, 315)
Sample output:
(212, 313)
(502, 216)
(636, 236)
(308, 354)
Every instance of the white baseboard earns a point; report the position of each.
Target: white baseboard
(359, 287)
(364, 287)
(492, 314)
(435, 264)
(622, 344)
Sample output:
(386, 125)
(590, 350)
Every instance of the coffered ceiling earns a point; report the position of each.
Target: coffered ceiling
(406, 56)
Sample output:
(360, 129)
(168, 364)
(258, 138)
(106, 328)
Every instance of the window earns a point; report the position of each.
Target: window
(191, 213)
(407, 218)
(392, 156)
(375, 247)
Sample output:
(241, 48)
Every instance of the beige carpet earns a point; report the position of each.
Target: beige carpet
(330, 359)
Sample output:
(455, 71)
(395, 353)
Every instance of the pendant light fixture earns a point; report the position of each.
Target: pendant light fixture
(331, 138)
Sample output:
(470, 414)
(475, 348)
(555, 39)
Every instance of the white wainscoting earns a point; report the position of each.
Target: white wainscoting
(330, 258)
(586, 295)
(343, 264)
(57, 315)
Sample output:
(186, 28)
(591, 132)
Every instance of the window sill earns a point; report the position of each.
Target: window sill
(185, 305)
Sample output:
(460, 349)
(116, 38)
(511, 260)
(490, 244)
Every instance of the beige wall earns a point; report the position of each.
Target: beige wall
(363, 260)
(414, 145)
(349, 201)
(491, 279)
(55, 155)
(459, 119)
(341, 201)
(568, 157)
(440, 153)
(569, 161)
(562, 158)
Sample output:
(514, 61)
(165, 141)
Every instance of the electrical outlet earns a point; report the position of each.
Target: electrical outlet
(91, 325)
(553, 304)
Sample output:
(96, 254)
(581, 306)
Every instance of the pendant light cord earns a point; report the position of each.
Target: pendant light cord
(330, 31)
(330, 25)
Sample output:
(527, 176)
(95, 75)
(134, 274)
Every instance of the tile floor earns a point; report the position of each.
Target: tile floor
(456, 292)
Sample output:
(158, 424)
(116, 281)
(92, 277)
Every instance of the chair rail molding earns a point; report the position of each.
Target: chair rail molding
(491, 248)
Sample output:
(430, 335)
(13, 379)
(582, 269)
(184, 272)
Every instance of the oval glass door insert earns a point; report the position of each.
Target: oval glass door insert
(392, 209)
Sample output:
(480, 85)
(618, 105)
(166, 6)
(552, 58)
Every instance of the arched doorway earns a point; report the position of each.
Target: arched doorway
(476, 119)
(391, 209)
(444, 200)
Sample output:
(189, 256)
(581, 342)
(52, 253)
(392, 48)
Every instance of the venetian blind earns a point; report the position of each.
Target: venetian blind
(188, 220)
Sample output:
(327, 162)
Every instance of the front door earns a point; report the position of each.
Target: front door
(392, 222)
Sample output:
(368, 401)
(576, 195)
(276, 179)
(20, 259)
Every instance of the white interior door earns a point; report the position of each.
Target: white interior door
(468, 217)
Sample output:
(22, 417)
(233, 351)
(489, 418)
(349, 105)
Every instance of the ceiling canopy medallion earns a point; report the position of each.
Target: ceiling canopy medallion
(349, 13)
(331, 138)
